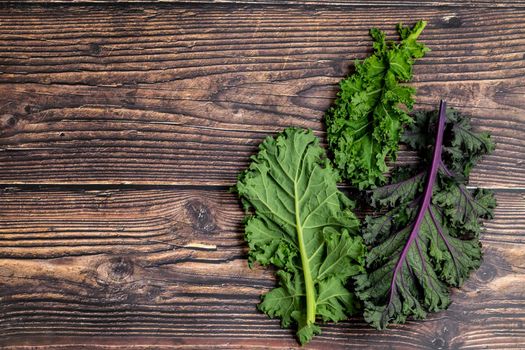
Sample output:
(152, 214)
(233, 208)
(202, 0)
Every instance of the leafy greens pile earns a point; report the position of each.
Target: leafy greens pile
(365, 123)
(429, 237)
(304, 226)
(425, 240)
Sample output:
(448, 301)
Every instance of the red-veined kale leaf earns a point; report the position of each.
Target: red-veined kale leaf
(428, 239)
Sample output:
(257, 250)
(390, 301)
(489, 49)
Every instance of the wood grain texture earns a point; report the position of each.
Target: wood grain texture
(183, 94)
(170, 100)
(166, 268)
(317, 3)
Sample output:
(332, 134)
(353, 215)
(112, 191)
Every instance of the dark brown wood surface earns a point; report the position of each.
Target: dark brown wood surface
(183, 95)
(331, 3)
(123, 126)
(168, 265)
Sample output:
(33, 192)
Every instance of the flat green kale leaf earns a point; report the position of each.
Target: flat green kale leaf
(366, 120)
(428, 239)
(303, 225)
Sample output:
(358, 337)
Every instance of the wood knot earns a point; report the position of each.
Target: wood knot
(439, 343)
(201, 216)
(117, 269)
(444, 336)
(120, 268)
(7, 121)
(486, 273)
(94, 49)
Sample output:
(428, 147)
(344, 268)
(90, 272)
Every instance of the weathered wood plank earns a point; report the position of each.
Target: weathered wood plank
(87, 269)
(183, 95)
(338, 3)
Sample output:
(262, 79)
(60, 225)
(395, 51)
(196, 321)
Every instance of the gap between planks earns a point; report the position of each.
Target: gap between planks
(152, 185)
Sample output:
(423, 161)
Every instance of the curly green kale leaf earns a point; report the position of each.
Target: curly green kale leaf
(428, 239)
(303, 225)
(366, 120)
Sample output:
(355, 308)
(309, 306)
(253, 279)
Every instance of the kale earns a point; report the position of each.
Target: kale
(367, 118)
(428, 239)
(303, 225)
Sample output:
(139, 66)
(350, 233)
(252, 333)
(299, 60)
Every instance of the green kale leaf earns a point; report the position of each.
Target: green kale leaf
(303, 225)
(428, 238)
(366, 120)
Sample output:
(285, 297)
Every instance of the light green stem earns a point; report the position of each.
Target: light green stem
(308, 282)
(414, 35)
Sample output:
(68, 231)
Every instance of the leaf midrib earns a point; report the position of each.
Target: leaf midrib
(307, 275)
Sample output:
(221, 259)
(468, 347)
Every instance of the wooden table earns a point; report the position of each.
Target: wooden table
(122, 126)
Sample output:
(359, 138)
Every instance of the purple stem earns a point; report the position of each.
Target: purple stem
(427, 194)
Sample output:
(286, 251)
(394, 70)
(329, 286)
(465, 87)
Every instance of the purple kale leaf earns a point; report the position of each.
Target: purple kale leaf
(428, 237)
